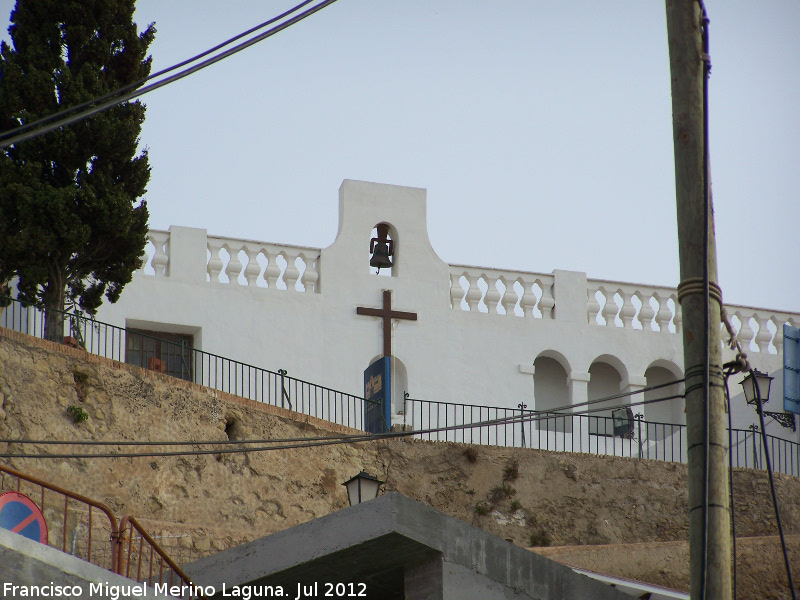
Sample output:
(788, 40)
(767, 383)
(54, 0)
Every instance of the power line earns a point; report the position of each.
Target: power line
(144, 80)
(15, 139)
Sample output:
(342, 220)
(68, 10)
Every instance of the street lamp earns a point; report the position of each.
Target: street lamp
(756, 387)
(362, 487)
(753, 393)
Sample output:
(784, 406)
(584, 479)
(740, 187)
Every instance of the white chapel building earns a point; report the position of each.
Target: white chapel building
(461, 335)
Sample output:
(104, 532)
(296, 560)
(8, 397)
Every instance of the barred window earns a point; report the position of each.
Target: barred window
(169, 353)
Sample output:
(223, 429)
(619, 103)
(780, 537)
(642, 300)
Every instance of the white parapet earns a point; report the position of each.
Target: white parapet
(633, 306)
(512, 293)
(239, 262)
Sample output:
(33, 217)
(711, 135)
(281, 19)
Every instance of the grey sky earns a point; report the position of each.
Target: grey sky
(542, 130)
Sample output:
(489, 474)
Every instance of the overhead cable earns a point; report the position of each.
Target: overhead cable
(12, 138)
(136, 84)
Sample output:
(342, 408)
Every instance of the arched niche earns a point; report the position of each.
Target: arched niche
(399, 387)
(550, 390)
(393, 243)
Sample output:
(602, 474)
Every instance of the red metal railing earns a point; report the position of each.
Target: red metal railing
(80, 515)
(126, 549)
(140, 557)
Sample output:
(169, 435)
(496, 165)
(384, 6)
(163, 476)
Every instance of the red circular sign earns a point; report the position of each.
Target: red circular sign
(19, 514)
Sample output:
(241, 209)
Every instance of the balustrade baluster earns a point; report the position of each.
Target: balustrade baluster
(160, 258)
(592, 305)
(646, 313)
(253, 269)
(273, 270)
(610, 309)
(310, 275)
(456, 291)
(764, 335)
(234, 264)
(678, 313)
(778, 341)
(529, 300)
(664, 314)
(214, 262)
(546, 302)
(628, 310)
(745, 333)
(291, 274)
(492, 294)
(473, 293)
(509, 299)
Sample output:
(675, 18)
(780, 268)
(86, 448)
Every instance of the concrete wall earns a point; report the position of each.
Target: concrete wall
(29, 565)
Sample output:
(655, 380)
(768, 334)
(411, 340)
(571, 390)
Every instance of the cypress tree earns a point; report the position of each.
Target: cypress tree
(72, 222)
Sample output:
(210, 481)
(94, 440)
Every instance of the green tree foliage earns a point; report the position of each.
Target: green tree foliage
(72, 223)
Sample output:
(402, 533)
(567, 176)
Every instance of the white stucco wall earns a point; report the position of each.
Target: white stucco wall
(241, 308)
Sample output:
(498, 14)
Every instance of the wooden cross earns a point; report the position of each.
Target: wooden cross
(387, 314)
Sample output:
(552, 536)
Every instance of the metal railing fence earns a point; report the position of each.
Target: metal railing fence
(141, 558)
(559, 432)
(76, 524)
(204, 368)
(88, 530)
(592, 434)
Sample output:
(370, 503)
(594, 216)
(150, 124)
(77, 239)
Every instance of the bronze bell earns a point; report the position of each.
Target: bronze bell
(381, 248)
(380, 257)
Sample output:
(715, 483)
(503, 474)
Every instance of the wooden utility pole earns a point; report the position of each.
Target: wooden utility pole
(700, 299)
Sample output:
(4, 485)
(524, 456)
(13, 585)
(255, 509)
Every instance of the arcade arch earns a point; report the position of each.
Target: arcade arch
(669, 411)
(605, 380)
(551, 390)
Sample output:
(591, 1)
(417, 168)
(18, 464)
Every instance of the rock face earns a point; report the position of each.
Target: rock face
(199, 504)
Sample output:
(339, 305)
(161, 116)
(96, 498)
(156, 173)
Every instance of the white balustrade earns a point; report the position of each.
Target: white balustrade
(155, 260)
(506, 293)
(650, 308)
(256, 264)
(768, 333)
(632, 306)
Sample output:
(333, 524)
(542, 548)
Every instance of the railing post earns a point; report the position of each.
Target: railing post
(522, 406)
(639, 417)
(405, 407)
(183, 359)
(754, 428)
(116, 542)
(284, 395)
